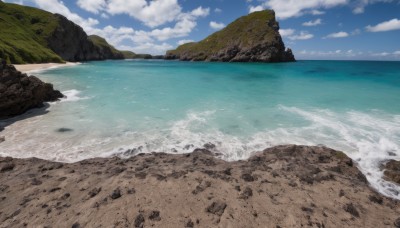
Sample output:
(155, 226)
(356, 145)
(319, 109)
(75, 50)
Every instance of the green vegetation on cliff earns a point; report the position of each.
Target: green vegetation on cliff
(103, 44)
(23, 35)
(254, 37)
(31, 35)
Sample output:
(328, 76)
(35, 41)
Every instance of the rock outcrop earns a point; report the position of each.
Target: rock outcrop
(72, 43)
(252, 38)
(284, 186)
(20, 92)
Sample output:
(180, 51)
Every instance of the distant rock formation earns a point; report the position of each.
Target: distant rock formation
(252, 38)
(19, 93)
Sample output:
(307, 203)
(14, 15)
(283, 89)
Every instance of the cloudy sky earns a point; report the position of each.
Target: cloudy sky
(314, 29)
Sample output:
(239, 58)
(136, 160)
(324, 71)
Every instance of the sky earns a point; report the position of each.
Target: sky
(313, 29)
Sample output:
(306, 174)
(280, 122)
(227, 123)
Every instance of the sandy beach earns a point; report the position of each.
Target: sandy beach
(25, 68)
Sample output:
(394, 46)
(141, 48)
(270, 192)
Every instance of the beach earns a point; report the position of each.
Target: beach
(27, 68)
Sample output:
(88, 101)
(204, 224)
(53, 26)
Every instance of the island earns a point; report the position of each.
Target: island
(251, 38)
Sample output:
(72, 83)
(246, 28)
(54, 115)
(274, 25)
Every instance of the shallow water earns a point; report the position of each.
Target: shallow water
(127, 107)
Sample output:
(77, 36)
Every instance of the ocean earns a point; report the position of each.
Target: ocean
(139, 106)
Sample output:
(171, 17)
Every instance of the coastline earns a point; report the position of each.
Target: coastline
(29, 68)
(283, 186)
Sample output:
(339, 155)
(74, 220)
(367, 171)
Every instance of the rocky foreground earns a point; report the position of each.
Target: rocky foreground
(284, 186)
(20, 92)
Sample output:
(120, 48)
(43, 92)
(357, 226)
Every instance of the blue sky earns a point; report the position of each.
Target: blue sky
(314, 29)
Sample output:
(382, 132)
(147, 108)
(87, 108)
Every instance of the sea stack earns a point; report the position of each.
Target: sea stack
(251, 38)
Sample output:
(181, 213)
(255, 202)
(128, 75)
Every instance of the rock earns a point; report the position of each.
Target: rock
(2, 138)
(139, 221)
(63, 129)
(36, 182)
(189, 224)
(397, 223)
(76, 225)
(116, 194)
(216, 208)
(7, 167)
(155, 216)
(251, 38)
(247, 177)
(22, 93)
(376, 199)
(351, 209)
(392, 171)
(247, 193)
(209, 146)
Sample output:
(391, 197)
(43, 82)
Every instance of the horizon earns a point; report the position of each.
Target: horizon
(314, 30)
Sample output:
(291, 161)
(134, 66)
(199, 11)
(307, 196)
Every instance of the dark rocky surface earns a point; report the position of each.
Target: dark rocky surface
(392, 171)
(20, 92)
(290, 186)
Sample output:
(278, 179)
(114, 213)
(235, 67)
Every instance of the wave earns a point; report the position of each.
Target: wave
(72, 95)
(368, 138)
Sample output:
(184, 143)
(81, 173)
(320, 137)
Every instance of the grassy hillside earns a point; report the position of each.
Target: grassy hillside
(132, 55)
(245, 31)
(103, 44)
(23, 35)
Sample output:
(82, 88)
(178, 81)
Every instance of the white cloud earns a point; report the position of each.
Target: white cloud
(256, 8)
(361, 4)
(148, 48)
(317, 12)
(286, 32)
(216, 25)
(295, 8)
(301, 36)
(217, 10)
(382, 54)
(396, 53)
(200, 12)
(393, 24)
(337, 35)
(94, 6)
(184, 42)
(313, 23)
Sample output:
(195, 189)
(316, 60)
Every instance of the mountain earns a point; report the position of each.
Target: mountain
(251, 38)
(30, 35)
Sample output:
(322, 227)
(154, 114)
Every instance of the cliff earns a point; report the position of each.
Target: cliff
(284, 186)
(30, 35)
(252, 38)
(19, 93)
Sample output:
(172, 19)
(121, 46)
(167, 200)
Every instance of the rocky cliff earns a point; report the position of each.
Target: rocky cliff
(19, 93)
(30, 35)
(252, 38)
(284, 186)
(72, 43)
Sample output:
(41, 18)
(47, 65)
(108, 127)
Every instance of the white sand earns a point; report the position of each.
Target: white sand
(25, 68)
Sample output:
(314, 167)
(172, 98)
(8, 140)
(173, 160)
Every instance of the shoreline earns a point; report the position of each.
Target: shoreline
(30, 68)
(282, 186)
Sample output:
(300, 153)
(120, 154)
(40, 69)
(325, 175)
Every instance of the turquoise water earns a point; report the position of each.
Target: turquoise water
(126, 107)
